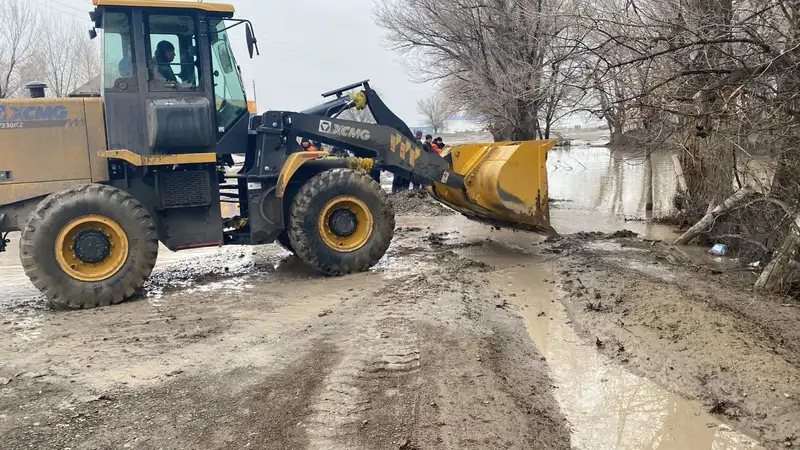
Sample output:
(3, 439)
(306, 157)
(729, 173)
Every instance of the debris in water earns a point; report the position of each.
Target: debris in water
(718, 250)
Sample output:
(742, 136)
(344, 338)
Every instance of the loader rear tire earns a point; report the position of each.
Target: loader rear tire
(341, 221)
(87, 246)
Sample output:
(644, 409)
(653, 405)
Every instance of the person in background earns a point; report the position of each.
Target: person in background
(306, 144)
(399, 183)
(418, 138)
(427, 145)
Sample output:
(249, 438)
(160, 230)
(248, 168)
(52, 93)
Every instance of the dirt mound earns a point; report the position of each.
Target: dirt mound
(591, 236)
(417, 202)
(570, 242)
(621, 234)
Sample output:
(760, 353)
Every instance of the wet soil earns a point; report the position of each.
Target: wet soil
(417, 202)
(250, 349)
(698, 331)
(461, 337)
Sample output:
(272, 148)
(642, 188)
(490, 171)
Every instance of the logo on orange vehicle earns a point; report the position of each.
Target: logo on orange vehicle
(26, 113)
(13, 117)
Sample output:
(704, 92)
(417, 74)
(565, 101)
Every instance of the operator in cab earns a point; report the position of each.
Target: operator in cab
(164, 57)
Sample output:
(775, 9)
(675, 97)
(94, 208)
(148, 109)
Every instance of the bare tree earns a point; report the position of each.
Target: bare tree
(436, 109)
(67, 59)
(724, 77)
(508, 60)
(20, 21)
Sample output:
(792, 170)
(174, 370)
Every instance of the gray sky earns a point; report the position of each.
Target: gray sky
(309, 47)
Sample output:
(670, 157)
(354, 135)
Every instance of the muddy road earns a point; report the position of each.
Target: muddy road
(250, 349)
(463, 337)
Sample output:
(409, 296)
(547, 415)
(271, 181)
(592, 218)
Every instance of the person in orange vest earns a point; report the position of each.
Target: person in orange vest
(306, 144)
(439, 143)
(436, 145)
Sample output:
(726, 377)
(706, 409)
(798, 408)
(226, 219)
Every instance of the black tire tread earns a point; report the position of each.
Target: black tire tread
(309, 249)
(75, 294)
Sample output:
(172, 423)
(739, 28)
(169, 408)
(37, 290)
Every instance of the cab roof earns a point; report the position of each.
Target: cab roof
(204, 6)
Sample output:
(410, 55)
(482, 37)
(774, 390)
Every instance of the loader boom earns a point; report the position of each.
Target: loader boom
(388, 147)
(503, 184)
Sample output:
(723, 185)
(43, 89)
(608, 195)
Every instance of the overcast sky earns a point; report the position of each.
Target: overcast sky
(308, 47)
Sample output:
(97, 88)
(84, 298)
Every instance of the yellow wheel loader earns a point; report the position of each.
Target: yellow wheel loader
(95, 183)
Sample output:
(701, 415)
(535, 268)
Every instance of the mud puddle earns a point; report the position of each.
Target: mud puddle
(607, 406)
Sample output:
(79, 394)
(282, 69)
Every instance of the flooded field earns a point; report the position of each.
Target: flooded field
(610, 183)
(463, 336)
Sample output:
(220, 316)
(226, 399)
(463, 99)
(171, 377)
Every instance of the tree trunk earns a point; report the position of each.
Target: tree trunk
(617, 132)
(676, 162)
(779, 271)
(708, 171)
(708, 220)
(648, 188)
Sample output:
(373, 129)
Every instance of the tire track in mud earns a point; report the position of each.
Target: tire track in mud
(381, 346)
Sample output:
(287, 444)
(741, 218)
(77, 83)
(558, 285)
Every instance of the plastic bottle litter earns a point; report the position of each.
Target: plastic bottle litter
(718, 249)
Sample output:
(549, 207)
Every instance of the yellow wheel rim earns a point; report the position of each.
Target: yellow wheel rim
(91, 270)
(350, 241)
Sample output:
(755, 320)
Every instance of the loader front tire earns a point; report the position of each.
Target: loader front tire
(341, 221)
(87, 246)
(284, 241)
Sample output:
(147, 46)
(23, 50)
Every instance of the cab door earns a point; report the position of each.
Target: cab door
(179, 107)
(230, 103)
(123, 89)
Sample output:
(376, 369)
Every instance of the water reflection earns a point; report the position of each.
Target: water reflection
(611, 181)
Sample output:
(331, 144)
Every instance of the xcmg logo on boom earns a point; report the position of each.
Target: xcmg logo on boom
(29, 113)
(328, 127)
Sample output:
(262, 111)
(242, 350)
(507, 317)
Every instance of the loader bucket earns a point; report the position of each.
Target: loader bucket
(505, 184)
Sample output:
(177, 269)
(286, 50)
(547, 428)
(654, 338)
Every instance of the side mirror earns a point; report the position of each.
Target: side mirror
(252, 42)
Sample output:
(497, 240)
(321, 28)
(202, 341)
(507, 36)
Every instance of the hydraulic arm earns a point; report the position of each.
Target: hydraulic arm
(501, 183)
(389, 142)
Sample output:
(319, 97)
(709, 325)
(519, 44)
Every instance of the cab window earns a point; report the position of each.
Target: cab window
(119, 67)
(173, 60)
(228, 89)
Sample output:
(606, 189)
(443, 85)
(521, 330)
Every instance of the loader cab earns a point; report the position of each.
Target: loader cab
(170, 81)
